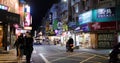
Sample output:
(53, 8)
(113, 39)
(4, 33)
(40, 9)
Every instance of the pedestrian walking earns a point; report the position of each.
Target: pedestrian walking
(19, 45)
(29, 46)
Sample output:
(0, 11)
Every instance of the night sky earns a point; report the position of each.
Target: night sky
(38, 10)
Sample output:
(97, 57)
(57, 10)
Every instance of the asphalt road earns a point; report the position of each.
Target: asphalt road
(57, 54)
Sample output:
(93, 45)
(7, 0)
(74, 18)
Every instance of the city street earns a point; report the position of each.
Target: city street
(57, 54)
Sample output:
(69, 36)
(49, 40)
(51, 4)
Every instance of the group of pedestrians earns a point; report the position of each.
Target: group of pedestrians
(24, 46)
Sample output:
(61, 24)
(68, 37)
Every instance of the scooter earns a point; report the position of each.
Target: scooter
(70, 48)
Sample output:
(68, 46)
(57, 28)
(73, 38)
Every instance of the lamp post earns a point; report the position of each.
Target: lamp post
(69, 11)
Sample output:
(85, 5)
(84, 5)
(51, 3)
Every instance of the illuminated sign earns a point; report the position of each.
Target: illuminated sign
(85, 27)
(22, 1)
(3, 7)
(103, 26)
(27, 17)
(105, 12)
(85, 17)
(28, 28)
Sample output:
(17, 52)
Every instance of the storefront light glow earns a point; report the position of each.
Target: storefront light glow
(16, 25)
(27, 8)
(64, 0)
(6, 8)
(56, 31)
(0, 6)
(22, 1)
(0, 21)
(3, 7)
(28, 28)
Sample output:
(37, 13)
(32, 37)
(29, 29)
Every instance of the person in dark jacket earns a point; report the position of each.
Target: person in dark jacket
(29, 46)
(19, 46)
(114, 54)
(69, 45)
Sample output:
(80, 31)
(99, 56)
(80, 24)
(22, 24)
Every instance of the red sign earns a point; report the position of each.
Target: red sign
(103, 26)
(118, 25)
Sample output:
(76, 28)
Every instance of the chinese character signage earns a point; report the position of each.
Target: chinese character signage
(105, 12)
(104, 15)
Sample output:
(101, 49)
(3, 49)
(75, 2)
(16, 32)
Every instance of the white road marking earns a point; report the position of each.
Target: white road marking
(98, 55)
(43, 57)
(34, 51)
(88, 59)
(67, 56)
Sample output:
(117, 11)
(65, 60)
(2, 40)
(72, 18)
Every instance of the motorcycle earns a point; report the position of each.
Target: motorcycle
(69, 47)
(114, 56)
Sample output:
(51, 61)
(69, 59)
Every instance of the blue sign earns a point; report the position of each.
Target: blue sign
(72, 24)
(85, 27)
(104, 14)
(85, 17)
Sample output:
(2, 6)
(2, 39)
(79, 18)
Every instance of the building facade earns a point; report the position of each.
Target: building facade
(9, 17)
(87, 22)
(13, 17)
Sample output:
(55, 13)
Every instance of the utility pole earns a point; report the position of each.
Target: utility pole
(69, 11)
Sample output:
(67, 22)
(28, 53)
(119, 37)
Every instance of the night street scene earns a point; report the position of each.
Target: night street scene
(59, 31)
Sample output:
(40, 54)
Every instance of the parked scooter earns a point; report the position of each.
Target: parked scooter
(114, 54)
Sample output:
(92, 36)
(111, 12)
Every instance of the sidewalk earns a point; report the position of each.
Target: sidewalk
(9, 57)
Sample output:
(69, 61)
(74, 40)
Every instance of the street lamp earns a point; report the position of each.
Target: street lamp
(64, 0)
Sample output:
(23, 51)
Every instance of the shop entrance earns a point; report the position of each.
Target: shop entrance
(1, 36)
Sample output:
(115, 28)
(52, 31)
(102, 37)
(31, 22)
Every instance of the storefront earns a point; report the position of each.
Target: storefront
(100, 27)
(66, 35)
(7, 29)
(1, 35)
(83, 38)
(85, 34)
(105, 33)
